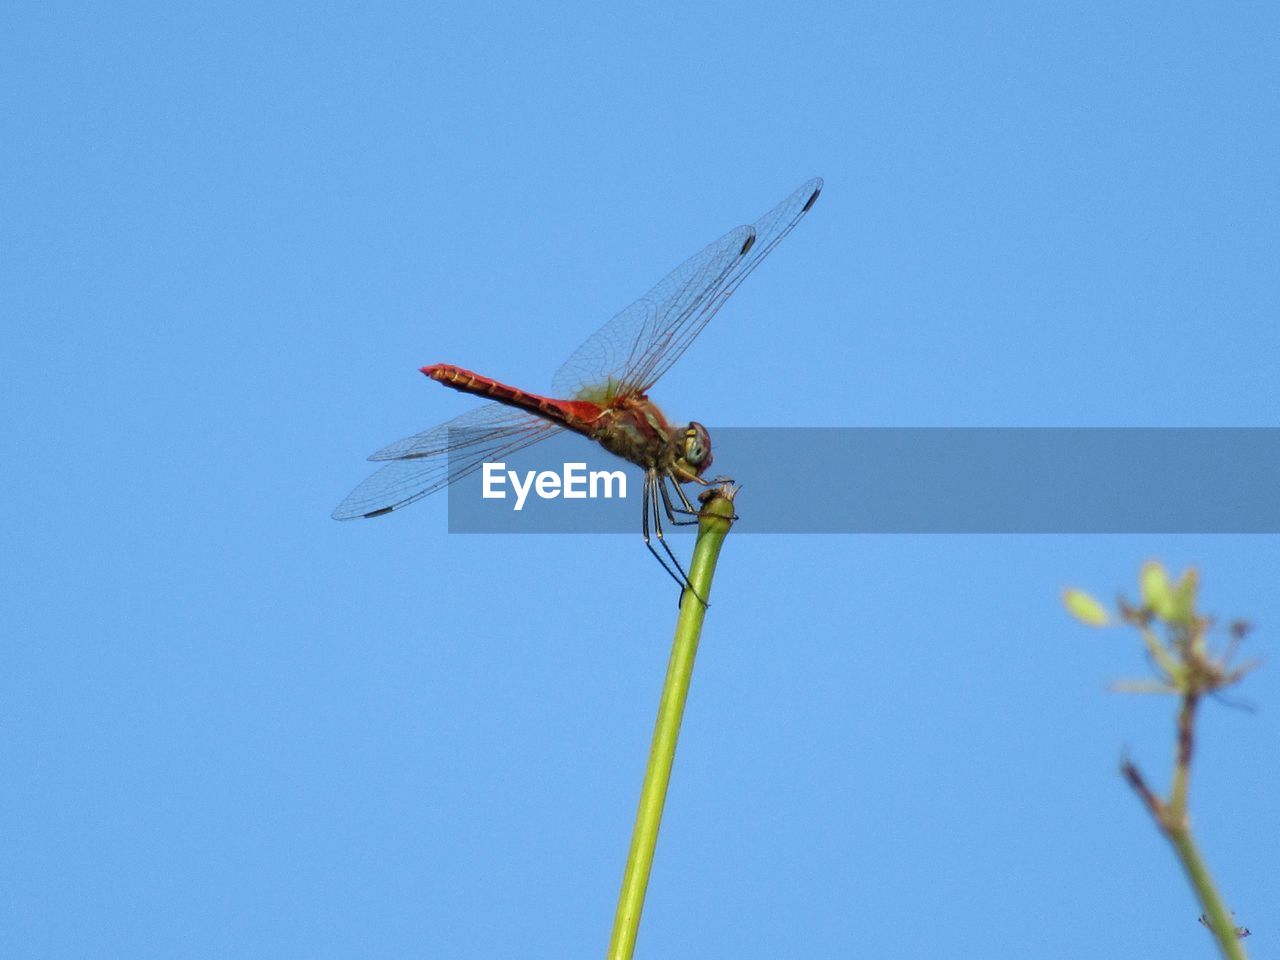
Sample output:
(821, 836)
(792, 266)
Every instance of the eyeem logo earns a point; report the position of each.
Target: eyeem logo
(574, 483)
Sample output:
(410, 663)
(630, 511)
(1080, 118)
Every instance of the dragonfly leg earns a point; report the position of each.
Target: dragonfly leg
(651, 510)
(716, 481)
(688, 511)
(688, 507)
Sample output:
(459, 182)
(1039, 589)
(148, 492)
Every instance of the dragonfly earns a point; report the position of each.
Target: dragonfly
(601, 392)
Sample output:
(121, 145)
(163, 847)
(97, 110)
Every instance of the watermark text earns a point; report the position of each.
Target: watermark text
(574, 482)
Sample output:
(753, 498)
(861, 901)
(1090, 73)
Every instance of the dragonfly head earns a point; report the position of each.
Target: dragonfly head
(694, 455)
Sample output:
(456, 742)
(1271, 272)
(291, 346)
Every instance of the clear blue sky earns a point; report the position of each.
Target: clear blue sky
(235, 728)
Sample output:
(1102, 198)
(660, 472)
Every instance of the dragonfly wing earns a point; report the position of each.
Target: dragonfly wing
(680, 330)
(638, 345)
(620, 346)
(425, 462)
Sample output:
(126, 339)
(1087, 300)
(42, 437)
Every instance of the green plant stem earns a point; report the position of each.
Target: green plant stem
(1224, 927)
(1172, 819)
(1181, 787)
(1177, 827)
(716, 518)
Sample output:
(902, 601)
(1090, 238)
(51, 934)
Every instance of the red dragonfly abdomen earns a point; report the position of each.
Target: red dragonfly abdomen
(577, 415)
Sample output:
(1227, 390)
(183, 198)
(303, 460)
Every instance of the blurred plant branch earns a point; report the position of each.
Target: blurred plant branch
(1176, 638)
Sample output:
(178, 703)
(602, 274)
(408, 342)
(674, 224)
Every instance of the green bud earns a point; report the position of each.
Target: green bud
(1157, 593)
(1085, 608)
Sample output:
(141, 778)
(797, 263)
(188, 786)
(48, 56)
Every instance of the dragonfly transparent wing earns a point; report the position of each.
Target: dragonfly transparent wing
(427, 461)
(636, 347)
(619, 346)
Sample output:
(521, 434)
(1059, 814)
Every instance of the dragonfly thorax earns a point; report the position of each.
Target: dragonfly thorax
(632, 427)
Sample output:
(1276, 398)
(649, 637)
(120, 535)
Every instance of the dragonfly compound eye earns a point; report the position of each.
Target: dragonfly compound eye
(697, 446)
